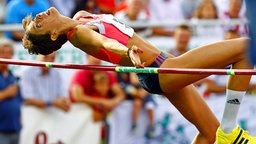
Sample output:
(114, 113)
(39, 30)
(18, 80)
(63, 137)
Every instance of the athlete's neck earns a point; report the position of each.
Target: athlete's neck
(66, 25)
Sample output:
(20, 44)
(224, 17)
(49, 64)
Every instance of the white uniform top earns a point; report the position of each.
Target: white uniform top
(108, 18)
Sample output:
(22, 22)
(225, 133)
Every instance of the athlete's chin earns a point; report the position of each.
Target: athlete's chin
(52, 11)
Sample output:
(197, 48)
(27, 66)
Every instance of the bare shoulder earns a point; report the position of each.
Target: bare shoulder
(85, 29)
(85, 35)
(81, 31)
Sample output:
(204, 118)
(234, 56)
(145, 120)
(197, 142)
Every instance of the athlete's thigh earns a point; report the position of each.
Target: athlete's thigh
(193, 107)
(214, 55)
(217, 55)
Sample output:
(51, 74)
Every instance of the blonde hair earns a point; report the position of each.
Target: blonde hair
(25, 41)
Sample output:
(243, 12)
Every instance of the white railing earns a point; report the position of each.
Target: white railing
(139, 24)
(191, 22)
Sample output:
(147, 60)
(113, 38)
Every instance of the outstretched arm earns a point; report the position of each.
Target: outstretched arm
(90, 38)
(84, 36)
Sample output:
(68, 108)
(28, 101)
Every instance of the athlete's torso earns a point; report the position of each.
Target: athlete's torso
(110, 27)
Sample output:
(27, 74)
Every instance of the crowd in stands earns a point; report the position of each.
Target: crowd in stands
(104, 91)
(140, 11)
(42, 87)
(10, 98)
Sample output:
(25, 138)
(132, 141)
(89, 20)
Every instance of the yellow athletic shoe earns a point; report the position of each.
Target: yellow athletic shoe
(237, 136)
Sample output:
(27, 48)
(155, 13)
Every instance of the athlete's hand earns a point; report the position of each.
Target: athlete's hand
(133, 54)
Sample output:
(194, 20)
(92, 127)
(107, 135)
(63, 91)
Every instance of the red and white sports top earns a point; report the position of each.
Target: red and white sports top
(110, 27)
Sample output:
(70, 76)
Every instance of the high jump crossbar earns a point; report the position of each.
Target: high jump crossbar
(131, 69)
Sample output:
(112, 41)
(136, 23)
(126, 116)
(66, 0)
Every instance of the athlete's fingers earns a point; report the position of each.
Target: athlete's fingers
(140, 50)
(143, 64)
(134, 57)
(136, 49)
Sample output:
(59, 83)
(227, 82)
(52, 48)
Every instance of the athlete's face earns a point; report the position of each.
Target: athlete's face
(44, 22)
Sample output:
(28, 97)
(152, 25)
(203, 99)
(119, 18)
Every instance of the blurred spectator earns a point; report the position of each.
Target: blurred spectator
(106, 6)
(121, 6)
(231, 34)
(182, 36)
(141, 98)
(165, 11)
(102, 91)
(10, 99)
(65, 7)
(87, 5)
(235, 10)
(82, 88)
(98, 89)
(42, 87)
(231, 8)
(189, 6)
(136, 10)
(207, 10)
(16, 10)
(2, 10)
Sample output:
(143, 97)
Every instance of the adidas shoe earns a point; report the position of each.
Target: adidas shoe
(237, 136)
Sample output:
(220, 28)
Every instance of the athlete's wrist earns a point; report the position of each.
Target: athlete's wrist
(128, 52)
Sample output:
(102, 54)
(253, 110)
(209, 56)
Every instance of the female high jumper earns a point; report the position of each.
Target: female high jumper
(104, 37)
